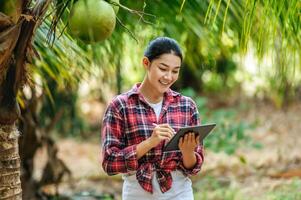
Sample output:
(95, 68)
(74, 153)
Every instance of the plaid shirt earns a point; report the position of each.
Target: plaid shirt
(129, 120)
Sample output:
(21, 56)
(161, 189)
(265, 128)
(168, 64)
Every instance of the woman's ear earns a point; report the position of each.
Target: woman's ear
(145, 62)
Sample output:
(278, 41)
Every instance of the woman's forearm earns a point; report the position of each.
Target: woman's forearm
(143, 148)
(189, 160)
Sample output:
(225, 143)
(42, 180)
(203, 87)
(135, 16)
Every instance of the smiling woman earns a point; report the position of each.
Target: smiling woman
(138, 123)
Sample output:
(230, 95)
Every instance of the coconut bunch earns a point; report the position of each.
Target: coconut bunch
(93, 20)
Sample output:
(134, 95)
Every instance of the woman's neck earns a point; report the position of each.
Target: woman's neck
(149, 93)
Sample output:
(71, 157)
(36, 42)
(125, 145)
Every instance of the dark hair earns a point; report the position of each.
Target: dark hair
(162, 45)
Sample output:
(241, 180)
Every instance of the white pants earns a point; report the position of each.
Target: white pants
(181, 189)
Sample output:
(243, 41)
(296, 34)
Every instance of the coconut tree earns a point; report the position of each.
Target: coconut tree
(17, 28)
(54, 74)
(19, 20)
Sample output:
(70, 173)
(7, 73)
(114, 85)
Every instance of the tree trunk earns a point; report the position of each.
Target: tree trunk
(10, 184)
(16, 32)
(29, 142)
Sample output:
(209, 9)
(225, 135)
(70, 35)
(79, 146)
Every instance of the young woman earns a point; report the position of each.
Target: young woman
(138, 123)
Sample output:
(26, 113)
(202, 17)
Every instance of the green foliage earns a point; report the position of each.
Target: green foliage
(58, 71)
(64, 62)
(271, 27)
(286, 192)
(209, 47)
(70, 122)
(230, 132)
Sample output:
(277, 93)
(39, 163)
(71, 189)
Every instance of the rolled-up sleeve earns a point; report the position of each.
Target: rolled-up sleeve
(116, 156)
(199, 150)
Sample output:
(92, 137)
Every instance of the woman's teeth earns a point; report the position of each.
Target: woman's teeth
(164, 83)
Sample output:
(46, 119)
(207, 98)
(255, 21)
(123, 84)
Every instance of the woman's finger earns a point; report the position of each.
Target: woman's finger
(191, 138)
(197, 140)
(165, 138)
(165, 134)
(164, 129)
(186, 138)
(168, 127)
(181, 141)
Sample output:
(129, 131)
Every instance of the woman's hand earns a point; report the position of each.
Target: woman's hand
(187, 145)
(161, 132)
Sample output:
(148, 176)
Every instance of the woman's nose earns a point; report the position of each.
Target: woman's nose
(167, 76)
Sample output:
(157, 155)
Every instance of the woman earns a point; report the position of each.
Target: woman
(138, 123)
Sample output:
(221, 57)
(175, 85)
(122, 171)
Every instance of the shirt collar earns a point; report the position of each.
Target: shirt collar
(169, 94)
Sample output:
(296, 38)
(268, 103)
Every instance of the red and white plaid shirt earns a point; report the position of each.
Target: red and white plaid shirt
(129, 120)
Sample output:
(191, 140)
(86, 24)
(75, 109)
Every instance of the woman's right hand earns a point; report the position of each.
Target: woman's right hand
(161, 132)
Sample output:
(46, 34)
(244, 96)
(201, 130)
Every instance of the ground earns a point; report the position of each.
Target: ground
(272, 172)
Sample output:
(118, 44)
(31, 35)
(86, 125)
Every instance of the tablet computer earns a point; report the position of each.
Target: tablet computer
(202, 130)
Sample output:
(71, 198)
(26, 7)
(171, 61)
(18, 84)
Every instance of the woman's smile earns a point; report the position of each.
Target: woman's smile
(164, 83)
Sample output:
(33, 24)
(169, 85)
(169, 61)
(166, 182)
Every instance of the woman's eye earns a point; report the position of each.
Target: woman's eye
(175, 72)
(162, 69)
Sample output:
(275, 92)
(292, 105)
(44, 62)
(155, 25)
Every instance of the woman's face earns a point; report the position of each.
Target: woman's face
(162, 72)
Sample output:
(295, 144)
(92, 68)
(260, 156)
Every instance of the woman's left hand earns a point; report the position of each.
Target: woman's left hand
(188, 143)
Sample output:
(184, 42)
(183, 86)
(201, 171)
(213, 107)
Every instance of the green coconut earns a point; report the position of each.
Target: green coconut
(92, 20)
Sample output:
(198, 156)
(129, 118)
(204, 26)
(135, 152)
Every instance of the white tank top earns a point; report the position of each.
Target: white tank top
(157, 108)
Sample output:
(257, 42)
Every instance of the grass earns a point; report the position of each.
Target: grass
(211, 188)
(291, 191)
(216, 189)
